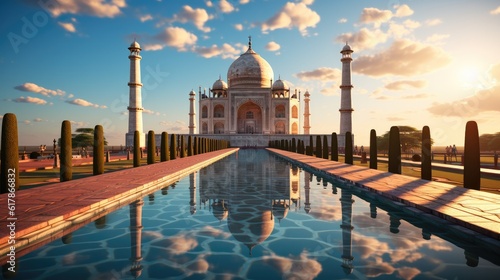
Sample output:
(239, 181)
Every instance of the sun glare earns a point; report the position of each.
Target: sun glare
(469, 75)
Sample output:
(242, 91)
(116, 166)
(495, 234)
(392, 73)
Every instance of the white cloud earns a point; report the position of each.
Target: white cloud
(84, 103)
(342, 20)
(436, 38)
(403, 11)
(197, 16)
(225, 7)
(29, 99)
(404, 58)
(28, 122)
(31, 87)
(495, 11)
(483, 100)
(68, 26)
(146, 17)
(79, 124)
(224, 51)
(238, 26)
(272, 46)
(375, 16)
(177, 126)
(292, 15)
(433, 22)
(175, 37)
(150, 112)
(324, 74)
(363, 39)
(243, 2)
(98, 8)
(405, 84)
(209, 4)
(38, 120)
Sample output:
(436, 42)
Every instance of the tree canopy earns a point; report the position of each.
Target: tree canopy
(410, 139)
(490, 142)
(84, 138)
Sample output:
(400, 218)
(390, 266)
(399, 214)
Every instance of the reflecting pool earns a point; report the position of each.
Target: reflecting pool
(254, 216)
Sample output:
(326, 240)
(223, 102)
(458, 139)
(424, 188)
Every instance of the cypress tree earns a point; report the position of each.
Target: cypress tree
(394, 151)
(311, 146)
(173, 146)
(9, 158)
(165, 155)
(66, 171)
(426, 168)
(319, 149)
(183, 146)
(195, 145)
(137, 149)
(98, 158)
(335, 147)
(472, 163)
(373, 149)
(190, 146)
(325, 147)
(151, 147)
(348, 148)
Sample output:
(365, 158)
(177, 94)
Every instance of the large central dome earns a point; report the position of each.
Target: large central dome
(250, 70)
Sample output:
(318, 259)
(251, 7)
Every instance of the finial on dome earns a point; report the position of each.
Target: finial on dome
(220, 77)
(249, 42)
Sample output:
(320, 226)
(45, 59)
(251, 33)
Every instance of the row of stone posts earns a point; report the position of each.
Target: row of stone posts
(471, 172)
(176, 146)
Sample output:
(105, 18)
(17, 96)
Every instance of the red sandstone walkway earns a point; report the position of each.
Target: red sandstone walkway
(33, 165)
(57, 209)
(475, 210)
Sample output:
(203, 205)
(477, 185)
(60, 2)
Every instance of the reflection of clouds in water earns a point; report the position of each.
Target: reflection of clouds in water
(408, 272)
(327, 213)
(182, 243)
(214, 232)
(71, 258)
(300, 268)
(368, 246)
(200, 265)
(152, 234)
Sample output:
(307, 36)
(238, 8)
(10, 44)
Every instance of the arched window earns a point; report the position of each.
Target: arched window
(295, 128)
(218, 111)
(204, 128)
(249, 115)
(280, 111)
(204, 112)
(219, 128)
(295, 112)
(279, 128)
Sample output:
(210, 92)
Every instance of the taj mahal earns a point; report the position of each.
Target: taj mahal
(250, 109)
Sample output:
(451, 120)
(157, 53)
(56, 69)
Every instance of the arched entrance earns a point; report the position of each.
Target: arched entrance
(249, 119)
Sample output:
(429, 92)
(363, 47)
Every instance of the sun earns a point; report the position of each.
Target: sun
(469, 76)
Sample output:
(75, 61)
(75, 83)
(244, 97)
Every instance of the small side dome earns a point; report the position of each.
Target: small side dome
(280, 85)
(192, 92)
(307, 93)
(346, 48)
(135, 45)
(219, 85)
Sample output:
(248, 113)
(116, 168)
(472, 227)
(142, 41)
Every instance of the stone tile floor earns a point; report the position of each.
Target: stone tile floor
(475, 210)
(41, 212)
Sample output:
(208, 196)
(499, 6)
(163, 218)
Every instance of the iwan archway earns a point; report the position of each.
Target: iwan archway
(249, 119)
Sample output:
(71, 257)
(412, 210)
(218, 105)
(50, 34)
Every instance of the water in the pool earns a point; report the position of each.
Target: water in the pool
(252, 215)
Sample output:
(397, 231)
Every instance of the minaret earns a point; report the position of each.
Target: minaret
(346, 202)
(192, 193)
(307, 188)
(345, 94)
(192, 114)
(135, 237)
(307, 126)
(135, 96)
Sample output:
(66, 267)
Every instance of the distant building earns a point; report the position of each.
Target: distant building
(250, 102)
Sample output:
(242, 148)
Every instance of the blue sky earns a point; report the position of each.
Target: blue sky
(415, 63)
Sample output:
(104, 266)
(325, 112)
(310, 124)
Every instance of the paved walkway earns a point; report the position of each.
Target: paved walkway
(476, 210)
(55, 210)
(42, 164)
